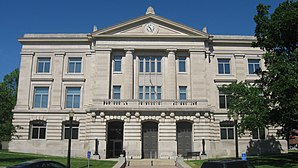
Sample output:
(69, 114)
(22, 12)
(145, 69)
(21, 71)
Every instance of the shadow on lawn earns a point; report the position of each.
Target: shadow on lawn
(283, 160)
(17, 160)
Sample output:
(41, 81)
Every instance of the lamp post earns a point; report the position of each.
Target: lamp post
(71, 114)
(235, 117)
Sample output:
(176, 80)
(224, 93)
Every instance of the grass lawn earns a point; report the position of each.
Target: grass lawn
(289, 160)
(12, 158)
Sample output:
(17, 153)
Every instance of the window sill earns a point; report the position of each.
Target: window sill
(182, 73)
(117, 72)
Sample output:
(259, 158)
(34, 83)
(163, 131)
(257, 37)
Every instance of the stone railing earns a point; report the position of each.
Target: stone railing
(144, 104)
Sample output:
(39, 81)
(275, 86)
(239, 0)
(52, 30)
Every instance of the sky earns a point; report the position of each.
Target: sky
(18, 17)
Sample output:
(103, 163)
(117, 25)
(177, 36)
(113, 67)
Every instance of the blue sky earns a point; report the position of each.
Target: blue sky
(18, 17)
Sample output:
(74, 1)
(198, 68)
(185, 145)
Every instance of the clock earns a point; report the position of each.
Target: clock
(151, 28)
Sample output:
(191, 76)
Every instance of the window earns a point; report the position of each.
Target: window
(227, 130)
(151, 92)
(43, 65)
(117, 63)
(182, 64)
(74, 65)
(223, 100)
(41, 95)
(73, 95)
(38, 129)
(223, 66)
(117, 92)
(182, 92)
(253, 66)
(75, 130)
(258, 133)
(150, 64)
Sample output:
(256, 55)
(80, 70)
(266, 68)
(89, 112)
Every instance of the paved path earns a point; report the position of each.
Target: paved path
(146, 163)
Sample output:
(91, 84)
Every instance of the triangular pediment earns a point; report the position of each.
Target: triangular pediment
(150, 25)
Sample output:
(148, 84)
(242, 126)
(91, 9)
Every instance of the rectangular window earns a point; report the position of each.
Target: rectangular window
(73, 97)
(226, 133)
(43, 65)
(141, 93)
(74, 65)
(147, 92)
(253, 66)
(182, 92)
(117, 63)
(182, 64)
(223, 100)
(158, 64)
(158, 92)
(223, 66)
(141, 67)
(117, 92)
(151, 92)
(38, 129)
(149, 64)
(75, 130)
(41, 95)
(258, 133)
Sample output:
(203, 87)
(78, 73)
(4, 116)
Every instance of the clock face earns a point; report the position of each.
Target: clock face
(151, 28)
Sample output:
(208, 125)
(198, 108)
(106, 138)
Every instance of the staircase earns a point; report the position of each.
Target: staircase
(151, 163)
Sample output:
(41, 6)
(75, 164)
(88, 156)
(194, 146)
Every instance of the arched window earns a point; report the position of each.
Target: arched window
(38, 129)
(226, 130)
(66, 130)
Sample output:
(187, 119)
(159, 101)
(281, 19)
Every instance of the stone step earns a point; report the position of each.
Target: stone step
(149, 162)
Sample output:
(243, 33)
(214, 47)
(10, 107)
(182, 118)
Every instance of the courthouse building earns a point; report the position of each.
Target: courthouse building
(149, 86)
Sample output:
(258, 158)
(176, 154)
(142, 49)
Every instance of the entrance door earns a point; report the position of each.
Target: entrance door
(149, 140)
(115, 139)
(184, 135)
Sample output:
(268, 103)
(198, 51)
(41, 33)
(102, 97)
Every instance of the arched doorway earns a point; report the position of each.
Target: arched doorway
(184, 137)
(149, 140)
(115, 139)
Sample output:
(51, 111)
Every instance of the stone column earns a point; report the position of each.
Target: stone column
(102, 73)
(198, 73)
(128, 74)
(132, 143)
(25, 80)
(57, 66)
(241, 69)
(170, 75)
(167, 137)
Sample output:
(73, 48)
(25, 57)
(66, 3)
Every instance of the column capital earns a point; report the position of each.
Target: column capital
(171, 50)
(197, 49)
(59, 53)
(239, 55)
(129, 50)
(27, 53)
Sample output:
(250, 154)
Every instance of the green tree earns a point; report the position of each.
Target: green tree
(248, 103)
(8, 97)
(278, 106)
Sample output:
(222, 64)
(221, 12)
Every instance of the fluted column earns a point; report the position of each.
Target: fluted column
(128, 74)
(170, 75)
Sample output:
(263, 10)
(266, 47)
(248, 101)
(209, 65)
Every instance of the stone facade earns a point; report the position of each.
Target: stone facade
(148, 86)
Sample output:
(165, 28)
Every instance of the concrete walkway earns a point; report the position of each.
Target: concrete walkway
(148, 163)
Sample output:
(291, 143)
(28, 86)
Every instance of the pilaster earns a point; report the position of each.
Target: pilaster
(57, 84)
(102, 74)
(240, 67)
(198, 73)
(167, 137)
(25, 80)
(132, 143)
(170, 71)
(128, 74)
